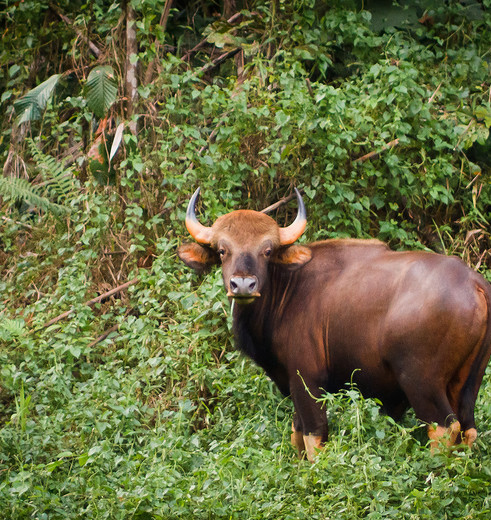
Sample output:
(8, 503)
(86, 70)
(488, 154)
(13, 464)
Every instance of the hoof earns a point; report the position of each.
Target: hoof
(441, 436)
(470, 436)
(297, 442)
(313, 444)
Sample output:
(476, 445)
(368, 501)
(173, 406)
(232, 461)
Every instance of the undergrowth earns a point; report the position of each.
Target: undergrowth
(138, 406)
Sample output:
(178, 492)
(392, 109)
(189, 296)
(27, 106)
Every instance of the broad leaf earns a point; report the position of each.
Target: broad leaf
(30, 107)
(101, 90)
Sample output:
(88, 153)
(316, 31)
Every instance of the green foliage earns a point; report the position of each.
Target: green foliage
(53, 194)
(30, 107)
(14, 190)
(11, 328)
(101, 90)
(139, 407)
(58, 179)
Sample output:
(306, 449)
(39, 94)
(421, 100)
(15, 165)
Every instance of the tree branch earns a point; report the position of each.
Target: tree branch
(218, 61)
(92, 46)
(103, 336)
(372, 155)
(92, 302)
(131, 81)
(198, 46)
(281, 202)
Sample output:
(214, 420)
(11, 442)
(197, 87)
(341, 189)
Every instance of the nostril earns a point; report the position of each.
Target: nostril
(243, 285)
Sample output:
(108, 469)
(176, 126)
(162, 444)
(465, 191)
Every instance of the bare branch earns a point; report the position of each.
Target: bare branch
(104, 335)
(434, 94)
(372, 155)
(198, 46)
(131, 81)
(92, 46)
(281, 202)
(218, 61)
(92, 302)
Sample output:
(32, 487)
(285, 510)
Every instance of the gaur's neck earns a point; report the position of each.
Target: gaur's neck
(254, 322)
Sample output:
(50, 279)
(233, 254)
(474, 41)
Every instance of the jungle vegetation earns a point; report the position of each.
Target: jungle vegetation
(121, 394)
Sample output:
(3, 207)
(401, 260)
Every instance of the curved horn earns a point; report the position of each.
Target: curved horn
(291, 233)
(200, 233)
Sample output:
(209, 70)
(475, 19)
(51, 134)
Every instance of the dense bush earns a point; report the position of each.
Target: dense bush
(138, 406)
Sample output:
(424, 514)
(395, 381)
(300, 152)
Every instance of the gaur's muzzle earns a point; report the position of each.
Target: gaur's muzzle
(243, 287)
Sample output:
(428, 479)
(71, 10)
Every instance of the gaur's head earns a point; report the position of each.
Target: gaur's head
(244, 242)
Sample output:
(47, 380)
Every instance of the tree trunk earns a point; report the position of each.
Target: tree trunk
(230, 8)
(131, 81)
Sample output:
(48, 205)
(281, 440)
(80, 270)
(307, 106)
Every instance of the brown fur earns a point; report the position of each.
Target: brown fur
(232, 227)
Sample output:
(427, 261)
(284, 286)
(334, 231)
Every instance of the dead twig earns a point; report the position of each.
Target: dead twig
(280, 203)
(218, 61)
(434, 94)
(104, 335)
(92, 46)
(372, 155)
(479, 262)
(163, 24)
(7, 219)
(213, 135)
(309, 88)
(198, 46)
(462, 135)
(92, 302)
(473, 180)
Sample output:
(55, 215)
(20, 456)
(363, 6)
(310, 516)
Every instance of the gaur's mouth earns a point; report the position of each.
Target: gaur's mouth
(244, 299)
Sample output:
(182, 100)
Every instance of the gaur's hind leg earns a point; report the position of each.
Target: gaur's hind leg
(465, 399)
(306, 445)
(469, 437)
(464, 387)
(432, 406)
(467, 402)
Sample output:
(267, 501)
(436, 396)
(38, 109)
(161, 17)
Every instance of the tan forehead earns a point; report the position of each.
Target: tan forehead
(245, 226)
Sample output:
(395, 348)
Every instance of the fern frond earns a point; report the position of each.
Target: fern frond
(11, 328)
(59, 181)
(14, 189)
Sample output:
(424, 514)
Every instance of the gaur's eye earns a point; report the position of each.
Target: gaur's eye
(221, 252)
(267, 252)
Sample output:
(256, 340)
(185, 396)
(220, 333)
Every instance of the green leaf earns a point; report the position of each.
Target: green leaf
(6, 95)
(13, 70)
(101, 90)
(30, 107)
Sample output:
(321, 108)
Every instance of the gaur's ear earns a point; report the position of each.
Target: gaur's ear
(198, 257)
(292, 257)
